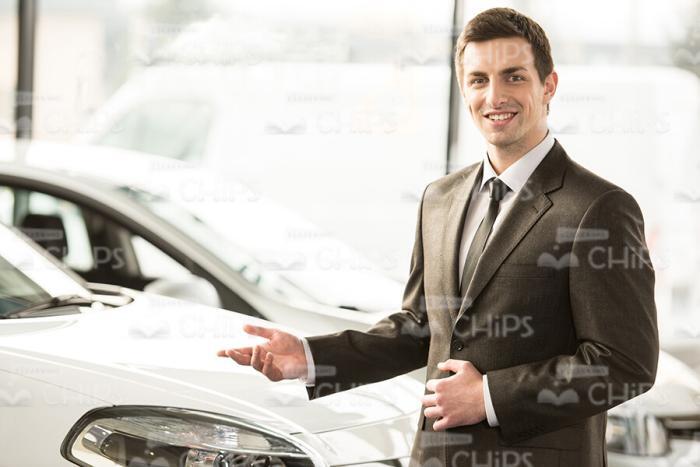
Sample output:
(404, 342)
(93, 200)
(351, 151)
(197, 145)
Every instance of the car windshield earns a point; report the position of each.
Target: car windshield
(28, 276)
(17, 291)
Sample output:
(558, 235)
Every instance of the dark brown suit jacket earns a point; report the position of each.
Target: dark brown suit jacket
(560, 315)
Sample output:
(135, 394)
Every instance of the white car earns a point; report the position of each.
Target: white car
(103, 375)
(159, 225)
(100, 375)
(660, 428)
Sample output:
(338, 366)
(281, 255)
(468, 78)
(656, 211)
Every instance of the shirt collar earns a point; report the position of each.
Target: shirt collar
(517, 174)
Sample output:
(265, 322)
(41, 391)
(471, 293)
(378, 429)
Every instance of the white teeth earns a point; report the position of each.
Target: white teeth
(500, 116)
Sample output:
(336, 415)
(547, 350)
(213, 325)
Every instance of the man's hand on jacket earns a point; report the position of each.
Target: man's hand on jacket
(281, 357)
(458, 399)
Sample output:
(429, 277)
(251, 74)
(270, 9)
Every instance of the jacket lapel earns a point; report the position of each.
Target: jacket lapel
(456, 214)
(530, 204)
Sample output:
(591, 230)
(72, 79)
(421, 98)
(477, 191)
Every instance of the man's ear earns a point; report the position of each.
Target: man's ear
(550, 86)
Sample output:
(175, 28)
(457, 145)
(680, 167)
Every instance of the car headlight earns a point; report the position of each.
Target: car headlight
(163, 436)
(636, 434)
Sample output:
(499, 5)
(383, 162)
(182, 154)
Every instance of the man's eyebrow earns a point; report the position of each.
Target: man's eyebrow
(513, 69)
(505, 71)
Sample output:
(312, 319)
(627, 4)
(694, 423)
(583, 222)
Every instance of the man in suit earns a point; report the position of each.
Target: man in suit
(530, 296)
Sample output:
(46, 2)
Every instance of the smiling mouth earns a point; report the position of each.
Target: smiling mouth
(501, 117)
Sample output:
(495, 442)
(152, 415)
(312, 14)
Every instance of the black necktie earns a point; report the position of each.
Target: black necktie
(497, 191)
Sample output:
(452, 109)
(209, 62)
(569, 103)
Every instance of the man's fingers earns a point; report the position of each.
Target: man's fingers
(430, 385)
(433, 412)
(441, 424)
(259, 331)
(266, 365)
(451, 365)
(241, 350)
(235, 355)
(270, 370)
(255, 359)
(428, 400)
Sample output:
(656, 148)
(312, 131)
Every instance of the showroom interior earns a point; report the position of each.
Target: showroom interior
(172, 171)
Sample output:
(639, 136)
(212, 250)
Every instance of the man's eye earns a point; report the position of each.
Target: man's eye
(477, 81)
(517, 78)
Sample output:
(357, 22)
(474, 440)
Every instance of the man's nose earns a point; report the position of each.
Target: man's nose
(495, 95)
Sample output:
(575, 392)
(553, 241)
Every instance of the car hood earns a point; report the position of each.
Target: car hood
(162, 351)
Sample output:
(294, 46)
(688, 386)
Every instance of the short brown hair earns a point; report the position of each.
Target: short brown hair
(498, 23)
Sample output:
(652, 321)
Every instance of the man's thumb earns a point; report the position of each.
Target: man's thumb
(449, 365)
(259, 331)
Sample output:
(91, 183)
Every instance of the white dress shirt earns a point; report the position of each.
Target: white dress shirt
(514, 177)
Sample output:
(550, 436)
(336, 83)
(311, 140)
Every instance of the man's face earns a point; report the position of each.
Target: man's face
(503, 92)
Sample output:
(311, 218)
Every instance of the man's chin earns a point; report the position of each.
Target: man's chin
(500, 140)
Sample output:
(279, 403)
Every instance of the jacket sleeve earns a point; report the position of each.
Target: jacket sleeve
(395, 345)
(611, 293)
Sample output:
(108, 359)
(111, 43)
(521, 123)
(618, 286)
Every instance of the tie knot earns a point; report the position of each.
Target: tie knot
(498, 189)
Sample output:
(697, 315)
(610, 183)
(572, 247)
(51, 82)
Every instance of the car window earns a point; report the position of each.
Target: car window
(6, 205)
(232, 254)
(78, 254)
(176, 129)
(96, 247)
(154, 263)
(99, 249)
(22, 208)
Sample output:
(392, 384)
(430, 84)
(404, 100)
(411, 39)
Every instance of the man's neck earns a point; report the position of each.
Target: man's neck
(502, 157)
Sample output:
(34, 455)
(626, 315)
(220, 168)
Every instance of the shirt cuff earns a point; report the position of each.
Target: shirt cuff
(490, 412)
(310, 379)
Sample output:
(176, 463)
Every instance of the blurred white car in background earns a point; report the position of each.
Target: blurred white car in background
(159, 225)
(662, 426)
(350, 146)
(101, 375)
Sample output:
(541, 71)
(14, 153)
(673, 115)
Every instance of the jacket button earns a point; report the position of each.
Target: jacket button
(457, 345)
